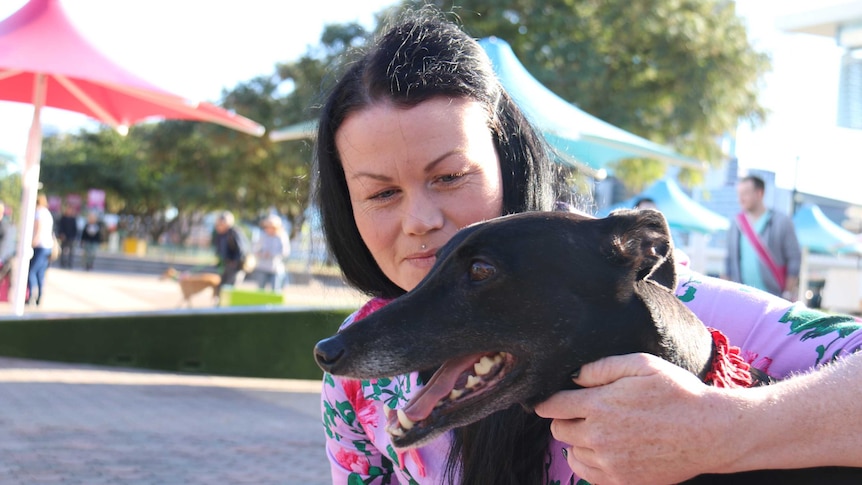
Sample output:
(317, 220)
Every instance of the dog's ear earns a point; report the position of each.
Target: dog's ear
(642, 238)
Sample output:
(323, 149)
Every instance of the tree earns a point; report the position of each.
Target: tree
(308, 78)
(678, 72)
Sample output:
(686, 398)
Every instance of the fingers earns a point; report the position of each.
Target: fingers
(569, 404)
(562, 405)
(577, 459)
(610, 369)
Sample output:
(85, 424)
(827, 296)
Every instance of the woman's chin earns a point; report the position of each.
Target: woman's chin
(413, 271)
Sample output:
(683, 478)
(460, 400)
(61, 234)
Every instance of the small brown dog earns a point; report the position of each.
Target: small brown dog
(193, 283)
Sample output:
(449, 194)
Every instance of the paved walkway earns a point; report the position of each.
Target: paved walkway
(81, 424)
(62, 424)
(77, 291)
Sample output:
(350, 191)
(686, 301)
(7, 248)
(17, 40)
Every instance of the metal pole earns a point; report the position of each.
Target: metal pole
(29, 190)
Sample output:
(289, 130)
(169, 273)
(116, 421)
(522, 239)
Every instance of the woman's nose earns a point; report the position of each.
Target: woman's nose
(423, 215)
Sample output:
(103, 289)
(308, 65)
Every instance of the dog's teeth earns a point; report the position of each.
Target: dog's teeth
(483, 366)
(473, 381)
(498, 358)
(387, 411)
(403, 420)
(395, 431)
(455, 394)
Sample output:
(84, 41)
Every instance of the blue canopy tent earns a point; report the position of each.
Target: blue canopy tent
(819, 234)
(580, 138)
(681, 211)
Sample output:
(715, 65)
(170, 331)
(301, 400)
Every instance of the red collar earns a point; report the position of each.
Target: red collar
(728, 367)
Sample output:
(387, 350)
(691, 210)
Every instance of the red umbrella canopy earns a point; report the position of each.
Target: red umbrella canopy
(40, 39)
(45, 61)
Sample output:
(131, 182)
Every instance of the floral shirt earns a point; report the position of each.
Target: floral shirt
(774, 335)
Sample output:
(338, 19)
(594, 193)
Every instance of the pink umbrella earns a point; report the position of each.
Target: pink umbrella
(45, 61)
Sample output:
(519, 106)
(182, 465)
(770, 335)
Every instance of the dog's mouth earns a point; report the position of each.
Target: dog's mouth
(455, 384)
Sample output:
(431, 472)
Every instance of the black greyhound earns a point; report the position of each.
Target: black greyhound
(515, 305)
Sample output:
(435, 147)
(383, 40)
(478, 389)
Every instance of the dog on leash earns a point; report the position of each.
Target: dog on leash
(529, 299)
(193, 283)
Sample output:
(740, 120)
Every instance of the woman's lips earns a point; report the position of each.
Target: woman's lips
(422, 258)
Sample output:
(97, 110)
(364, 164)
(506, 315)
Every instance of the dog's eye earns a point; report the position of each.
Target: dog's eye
(481, 270)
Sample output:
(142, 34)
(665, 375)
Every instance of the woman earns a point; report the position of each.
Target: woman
(270, 251)
(43, 242)
(417, 140)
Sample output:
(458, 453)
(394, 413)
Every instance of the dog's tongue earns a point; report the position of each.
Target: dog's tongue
(439, 387)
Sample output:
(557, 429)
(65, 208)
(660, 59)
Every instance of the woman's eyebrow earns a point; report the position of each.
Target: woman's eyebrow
(370, 175)
(428, 168)
(433, 163)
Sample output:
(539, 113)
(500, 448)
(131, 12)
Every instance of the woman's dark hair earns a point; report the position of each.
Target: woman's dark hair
(422, 57)
(425, 56)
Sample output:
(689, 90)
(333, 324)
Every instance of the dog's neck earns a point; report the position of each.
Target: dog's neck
(683, 339)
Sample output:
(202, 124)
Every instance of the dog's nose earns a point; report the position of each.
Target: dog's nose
(327, 352)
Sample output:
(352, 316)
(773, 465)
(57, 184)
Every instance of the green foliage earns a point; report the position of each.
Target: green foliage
(275, 344)
(10, 192)
(678, 72)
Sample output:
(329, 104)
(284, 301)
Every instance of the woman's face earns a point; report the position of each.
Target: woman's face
(416, 176)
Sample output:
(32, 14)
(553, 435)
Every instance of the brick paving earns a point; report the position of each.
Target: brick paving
(79, 424)
(88, 425)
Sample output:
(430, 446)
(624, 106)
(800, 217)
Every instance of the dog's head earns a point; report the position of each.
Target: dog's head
(511, 308)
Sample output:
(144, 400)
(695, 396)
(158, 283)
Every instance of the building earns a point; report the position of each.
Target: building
(842, 22)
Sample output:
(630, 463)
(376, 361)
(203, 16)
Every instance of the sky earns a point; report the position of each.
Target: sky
(196, 48)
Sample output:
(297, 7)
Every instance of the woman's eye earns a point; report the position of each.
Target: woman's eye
(382, 195)
(451, 177)
(480, 271)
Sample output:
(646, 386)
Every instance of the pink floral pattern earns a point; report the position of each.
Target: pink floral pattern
(352, 461)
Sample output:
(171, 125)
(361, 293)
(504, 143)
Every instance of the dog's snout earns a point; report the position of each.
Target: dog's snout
(328, 352)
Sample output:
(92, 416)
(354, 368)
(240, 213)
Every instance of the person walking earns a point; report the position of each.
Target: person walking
(43, 243)
(271, 250)
(91, 237)
(231, 248)
(7, 238)
(67, 234)
(7, 251)
(762, 248)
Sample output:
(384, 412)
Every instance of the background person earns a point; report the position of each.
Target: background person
(7, 238)
(418, 139)
(645, 203)
(271, 249)
(765, 252)
(7, 252)
(43, 242)
(231, 247)
(92, 236)
(67, 234)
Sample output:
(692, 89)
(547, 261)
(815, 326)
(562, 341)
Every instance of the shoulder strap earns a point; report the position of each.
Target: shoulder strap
(760, 249)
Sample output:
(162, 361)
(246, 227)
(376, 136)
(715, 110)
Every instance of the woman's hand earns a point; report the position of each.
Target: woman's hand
(642, 420)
